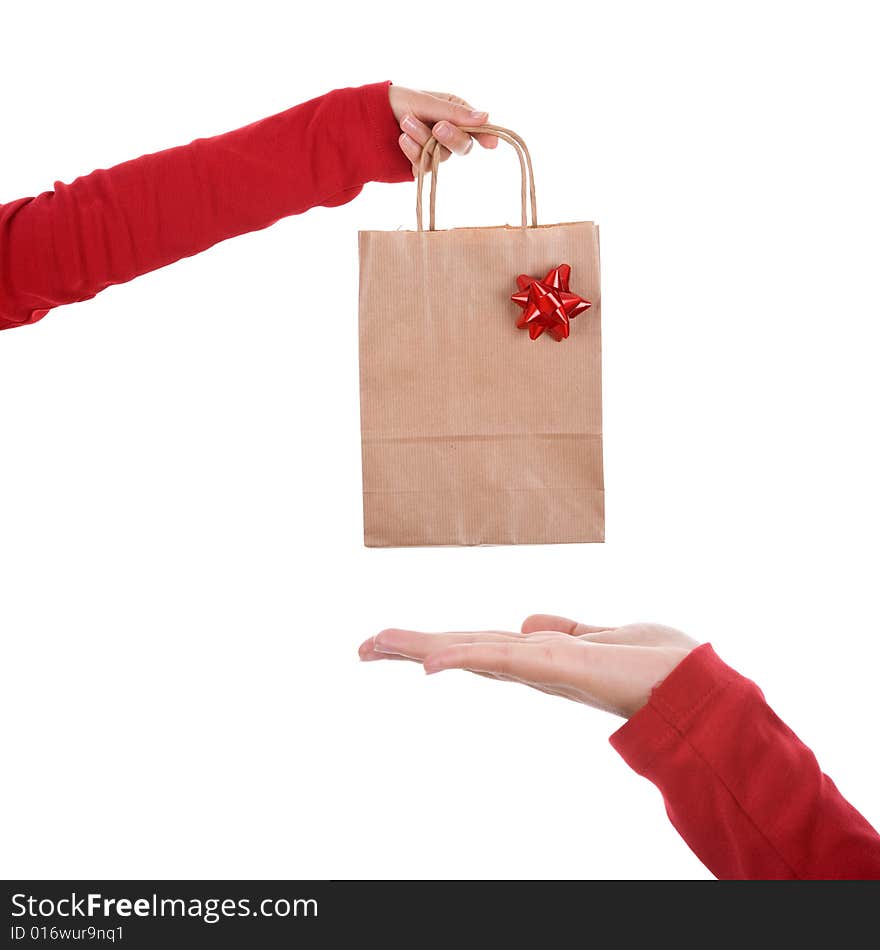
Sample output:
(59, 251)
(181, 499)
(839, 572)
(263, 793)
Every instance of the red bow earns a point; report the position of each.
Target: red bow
(548, 304)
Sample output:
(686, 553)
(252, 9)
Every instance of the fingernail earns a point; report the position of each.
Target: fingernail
(408, 123)
(442, 131)
(479, 116)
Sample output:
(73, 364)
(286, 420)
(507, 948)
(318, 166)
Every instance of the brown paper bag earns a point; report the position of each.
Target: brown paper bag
(471, 432)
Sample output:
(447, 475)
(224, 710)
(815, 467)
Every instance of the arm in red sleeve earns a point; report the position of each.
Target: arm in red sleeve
(742, 790)
(114, 224)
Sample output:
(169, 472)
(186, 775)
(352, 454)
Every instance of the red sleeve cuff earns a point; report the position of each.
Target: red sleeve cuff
(673, 706)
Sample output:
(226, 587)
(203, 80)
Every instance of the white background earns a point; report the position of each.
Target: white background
(183, 584)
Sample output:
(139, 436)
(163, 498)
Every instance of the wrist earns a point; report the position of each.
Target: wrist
(665, 661)
(672, 706)
(389, 163)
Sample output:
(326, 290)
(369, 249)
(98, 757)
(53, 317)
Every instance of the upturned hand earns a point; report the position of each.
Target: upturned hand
(610, 668)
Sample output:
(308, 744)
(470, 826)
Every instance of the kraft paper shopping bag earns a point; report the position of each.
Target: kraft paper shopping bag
(474, 432)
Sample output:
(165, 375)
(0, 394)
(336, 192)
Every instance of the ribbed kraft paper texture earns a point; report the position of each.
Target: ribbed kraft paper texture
(471, 432)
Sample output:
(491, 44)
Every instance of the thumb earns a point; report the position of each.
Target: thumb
(541, 622)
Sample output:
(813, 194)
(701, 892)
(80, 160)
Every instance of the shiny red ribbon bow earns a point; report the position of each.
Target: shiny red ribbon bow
(548, 304)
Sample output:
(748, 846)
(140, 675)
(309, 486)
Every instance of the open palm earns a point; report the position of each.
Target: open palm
(610, 668)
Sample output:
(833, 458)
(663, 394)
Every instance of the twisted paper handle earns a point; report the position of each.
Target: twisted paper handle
(431, 152)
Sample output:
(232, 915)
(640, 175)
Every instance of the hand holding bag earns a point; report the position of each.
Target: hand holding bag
(481, 390)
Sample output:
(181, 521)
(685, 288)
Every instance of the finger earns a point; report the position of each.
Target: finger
(367, 651)
(538, 622)
(452, 137)
(416, 645)
(463, 113)
(643, 635)
(534, 662)
(414, 153)
(368, 654)
(486, 140)
(417, 130)
(419, 133)
(412, 150)
(621, 636)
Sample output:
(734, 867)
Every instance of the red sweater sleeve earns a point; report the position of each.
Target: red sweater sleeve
(114, 224)
(742, 790)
